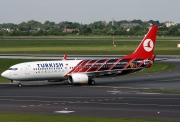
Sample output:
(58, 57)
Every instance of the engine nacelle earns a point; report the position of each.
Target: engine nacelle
(78, 78)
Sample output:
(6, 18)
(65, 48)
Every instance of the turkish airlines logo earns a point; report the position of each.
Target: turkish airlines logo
(148, 45)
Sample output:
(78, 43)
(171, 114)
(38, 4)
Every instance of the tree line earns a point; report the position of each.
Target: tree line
(121, 28)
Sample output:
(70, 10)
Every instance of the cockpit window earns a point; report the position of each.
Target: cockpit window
(13, 69)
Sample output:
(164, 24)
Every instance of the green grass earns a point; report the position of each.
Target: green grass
(84, 46)
(157, 67)
(54, 118)
(162, 90)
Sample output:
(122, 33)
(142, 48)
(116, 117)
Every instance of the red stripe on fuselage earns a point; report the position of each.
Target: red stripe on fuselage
(102, 65)
(114, 63)
(124, 66)
(91, 67)
(84, 67)
(75, 68)
(140, 64)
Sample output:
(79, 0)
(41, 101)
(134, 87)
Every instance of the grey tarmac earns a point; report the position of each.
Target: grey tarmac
(119, 97)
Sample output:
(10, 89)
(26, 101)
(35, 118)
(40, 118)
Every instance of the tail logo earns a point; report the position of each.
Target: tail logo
(148, 45)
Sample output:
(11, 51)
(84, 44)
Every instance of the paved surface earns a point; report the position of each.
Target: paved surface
(89, 101)
(120, 97)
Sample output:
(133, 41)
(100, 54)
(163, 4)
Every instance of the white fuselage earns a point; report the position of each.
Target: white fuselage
(41, 70)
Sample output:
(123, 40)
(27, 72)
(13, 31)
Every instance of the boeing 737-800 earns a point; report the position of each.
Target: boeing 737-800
(85, 71)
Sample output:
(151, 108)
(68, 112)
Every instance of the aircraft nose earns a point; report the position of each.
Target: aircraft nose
(4, 74)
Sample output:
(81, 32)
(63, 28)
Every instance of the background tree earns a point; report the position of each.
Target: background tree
(48, 28)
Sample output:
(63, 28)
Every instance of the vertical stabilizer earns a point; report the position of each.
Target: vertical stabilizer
(145, 49)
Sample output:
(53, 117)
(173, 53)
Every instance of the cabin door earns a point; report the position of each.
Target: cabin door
(27, 69)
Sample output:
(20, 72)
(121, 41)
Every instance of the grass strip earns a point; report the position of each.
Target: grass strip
(55, 118)
(162, 90)
(82, 47)
(157, 67)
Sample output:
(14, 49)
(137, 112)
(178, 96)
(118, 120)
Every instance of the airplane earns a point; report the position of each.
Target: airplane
(85, 71)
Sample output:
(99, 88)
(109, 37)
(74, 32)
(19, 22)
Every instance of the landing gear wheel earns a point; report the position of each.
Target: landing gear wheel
(91, 82)
(19, 84)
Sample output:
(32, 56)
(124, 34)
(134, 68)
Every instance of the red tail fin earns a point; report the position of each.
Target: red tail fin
(146, 48)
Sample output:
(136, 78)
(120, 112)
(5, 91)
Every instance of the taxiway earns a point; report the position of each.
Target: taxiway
(120, 97)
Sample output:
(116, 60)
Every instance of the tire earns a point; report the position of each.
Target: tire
(19, 85)
(91, 82)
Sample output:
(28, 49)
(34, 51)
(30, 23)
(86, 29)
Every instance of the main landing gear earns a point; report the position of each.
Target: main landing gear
(19, 85)
(91, 82)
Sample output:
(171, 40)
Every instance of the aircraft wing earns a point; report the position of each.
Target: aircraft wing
(110, 72)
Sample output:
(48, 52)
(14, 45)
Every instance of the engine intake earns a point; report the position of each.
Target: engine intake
(78, 78)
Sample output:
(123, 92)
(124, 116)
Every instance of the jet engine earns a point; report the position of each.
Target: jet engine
(78, 78)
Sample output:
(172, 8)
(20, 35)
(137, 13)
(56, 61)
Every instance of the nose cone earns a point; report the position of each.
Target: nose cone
(4, 74)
